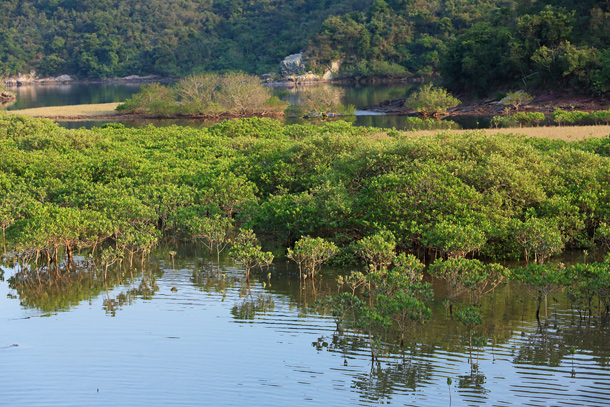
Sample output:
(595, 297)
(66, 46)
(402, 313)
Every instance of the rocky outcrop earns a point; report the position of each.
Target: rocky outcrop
(7, 97)
(292, 69)
(32, 79)
(292, 65)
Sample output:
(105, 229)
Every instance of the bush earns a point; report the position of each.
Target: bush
(431, 101)
(196, 93)
(522, 119)
(577, 117)
(209, 94)
(242, 94)
(153, 99)
(517, 99)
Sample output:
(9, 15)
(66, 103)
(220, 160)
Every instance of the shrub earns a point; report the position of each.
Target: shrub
(517, 99)
(153, 99)
(431, 101)
(520, 118)
(233, 93)
(240, 93)
(196, 93)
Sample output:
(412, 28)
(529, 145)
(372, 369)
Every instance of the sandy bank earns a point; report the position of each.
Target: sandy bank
(71, 112)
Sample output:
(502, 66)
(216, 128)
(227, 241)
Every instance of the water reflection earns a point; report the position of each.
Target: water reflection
(52, 289)
(385, 381)
(251, 306)
(71, 94)
(542, 347)
(267, 332)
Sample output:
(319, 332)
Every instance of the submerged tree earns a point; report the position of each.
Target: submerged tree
(468, 276)
(540, 280)
(539, 238)
(377, 250)
(310, 254)
(247, 251)
(470, 318)
(138, 240)
(213, 232)
(404, 310)
(454, 240)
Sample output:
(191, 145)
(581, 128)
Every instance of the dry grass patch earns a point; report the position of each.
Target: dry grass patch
(74, 112)
(568, 133)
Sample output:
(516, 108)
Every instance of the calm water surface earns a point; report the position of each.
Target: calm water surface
(217, 341)
(71, 94)
(75, 94)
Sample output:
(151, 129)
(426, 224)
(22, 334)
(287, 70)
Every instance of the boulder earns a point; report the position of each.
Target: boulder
(63, 78)
(292, 65)
(6, 97)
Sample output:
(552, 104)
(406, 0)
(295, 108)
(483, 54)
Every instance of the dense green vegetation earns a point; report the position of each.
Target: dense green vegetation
(550, 44)
(324, 193)
(558, 117)
(497, 196)
(475, 45)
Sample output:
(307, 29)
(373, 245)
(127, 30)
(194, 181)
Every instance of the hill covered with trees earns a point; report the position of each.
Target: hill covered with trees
(474, 44)
(478, 45)
(107, 38)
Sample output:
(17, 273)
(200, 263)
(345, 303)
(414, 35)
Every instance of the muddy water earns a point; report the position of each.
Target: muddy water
(218, 341)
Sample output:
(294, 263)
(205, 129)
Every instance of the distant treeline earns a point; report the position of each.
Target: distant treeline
(474, 44)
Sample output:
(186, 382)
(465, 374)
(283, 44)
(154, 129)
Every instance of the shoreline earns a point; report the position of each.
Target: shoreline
(545, 103)
(105, 111)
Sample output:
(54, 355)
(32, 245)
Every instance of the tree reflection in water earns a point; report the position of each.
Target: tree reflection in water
(573, 348)
(251, 306)
(51, 291)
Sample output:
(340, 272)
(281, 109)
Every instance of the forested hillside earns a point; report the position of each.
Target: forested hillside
(106, 38)
(477, 45)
